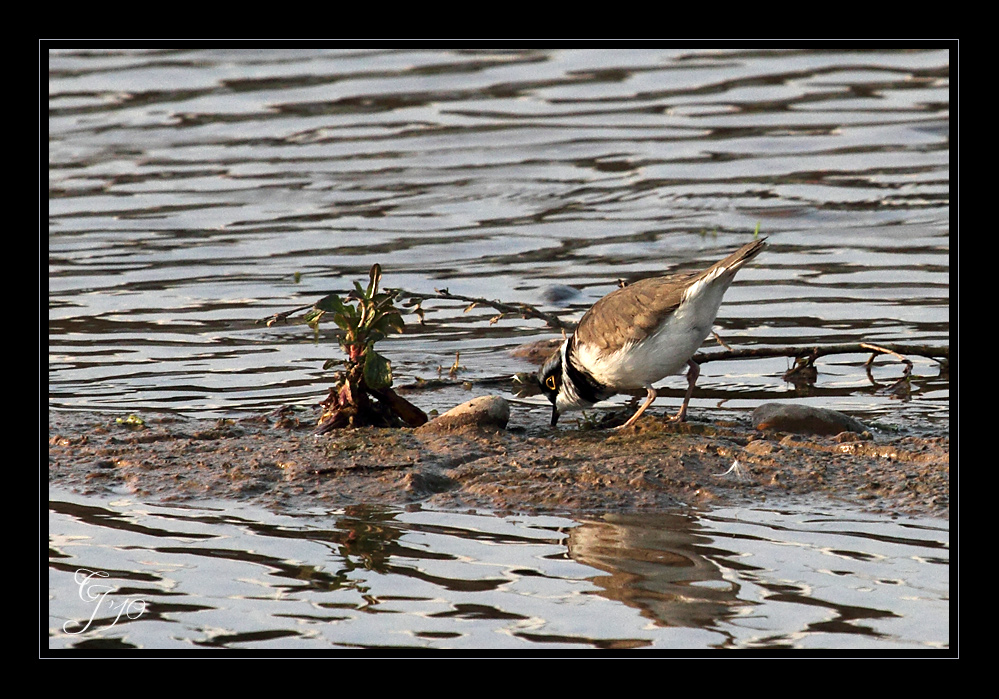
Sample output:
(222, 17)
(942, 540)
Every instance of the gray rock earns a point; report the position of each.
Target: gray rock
(804, 419)
(485, 411)
(559, 294)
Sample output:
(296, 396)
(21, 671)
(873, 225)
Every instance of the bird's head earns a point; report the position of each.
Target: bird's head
(550, 380)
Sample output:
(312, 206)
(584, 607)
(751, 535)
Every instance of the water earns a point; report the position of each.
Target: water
(194, 192)
(187, 189)
(224, 576)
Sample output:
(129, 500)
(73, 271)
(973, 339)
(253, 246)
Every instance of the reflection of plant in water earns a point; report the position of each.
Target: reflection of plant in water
(368, 537)
(365, 315)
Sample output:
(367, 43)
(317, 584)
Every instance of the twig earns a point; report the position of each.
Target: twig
(283, 317)
(524, 310)
(421, 384)
(810, 353)
(720, 341)
(876, 349)
(938, 354)
(900, 388)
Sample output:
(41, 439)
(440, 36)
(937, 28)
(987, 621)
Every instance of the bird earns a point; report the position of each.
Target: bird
(639, 334)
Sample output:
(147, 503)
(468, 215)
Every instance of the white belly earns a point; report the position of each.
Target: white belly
(663, 353)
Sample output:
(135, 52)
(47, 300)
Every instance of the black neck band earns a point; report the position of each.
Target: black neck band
(586, 386)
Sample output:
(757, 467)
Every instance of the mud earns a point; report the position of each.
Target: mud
(277, 461)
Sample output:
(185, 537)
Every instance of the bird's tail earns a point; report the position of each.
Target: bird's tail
(734, 262)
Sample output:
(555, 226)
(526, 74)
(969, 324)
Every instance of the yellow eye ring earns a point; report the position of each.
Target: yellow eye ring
(550, 382)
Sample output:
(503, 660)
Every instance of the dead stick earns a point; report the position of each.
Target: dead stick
(270, 320)
(883, 350)
(525, 310)
(875, 351)
(934, 353)
(939, 354)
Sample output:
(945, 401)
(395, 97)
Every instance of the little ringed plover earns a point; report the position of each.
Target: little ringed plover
(638, 335)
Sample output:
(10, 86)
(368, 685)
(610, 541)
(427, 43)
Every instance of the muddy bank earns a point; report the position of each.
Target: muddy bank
(277, 461)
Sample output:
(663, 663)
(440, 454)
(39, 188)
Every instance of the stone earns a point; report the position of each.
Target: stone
(804, 419)
(559, 294)
(760, 447)
(491, 412)
(427, 482)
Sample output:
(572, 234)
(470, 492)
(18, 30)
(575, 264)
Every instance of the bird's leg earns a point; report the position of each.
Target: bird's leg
(692, 375)
(648, 401)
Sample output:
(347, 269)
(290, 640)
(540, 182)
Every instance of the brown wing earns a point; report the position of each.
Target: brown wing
(632, 313)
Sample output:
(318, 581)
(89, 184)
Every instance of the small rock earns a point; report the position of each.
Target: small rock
(790, 417)
(537, 352)
(853, 436)
(559, 294)
(484, 411)
(760, 447)
(427, 482)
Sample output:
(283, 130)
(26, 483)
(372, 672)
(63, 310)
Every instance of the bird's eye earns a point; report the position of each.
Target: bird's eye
(550, 382)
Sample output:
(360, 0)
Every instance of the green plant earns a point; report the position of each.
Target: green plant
(365, 316)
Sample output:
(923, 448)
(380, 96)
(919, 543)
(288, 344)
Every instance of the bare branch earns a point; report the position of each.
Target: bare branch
(938, 354)
(283, 317)
(524, 310)
(806, 354)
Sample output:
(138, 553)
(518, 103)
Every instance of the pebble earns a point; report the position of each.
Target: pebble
(559, 294)
(760, 447)
(427, 482)
(537, 352)
(484, 411)
(804, 419)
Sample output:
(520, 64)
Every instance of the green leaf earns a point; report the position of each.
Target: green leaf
(374, 276)
(373, 309)
(381, 300)
(377, 371)
(390, 322)
(343, 321)
(330, 304)
(370, 341)
(312, 318)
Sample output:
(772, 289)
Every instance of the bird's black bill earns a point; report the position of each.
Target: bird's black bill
(554, 416)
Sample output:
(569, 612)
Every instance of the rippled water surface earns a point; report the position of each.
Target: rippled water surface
(237, 577)
(195, 192)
